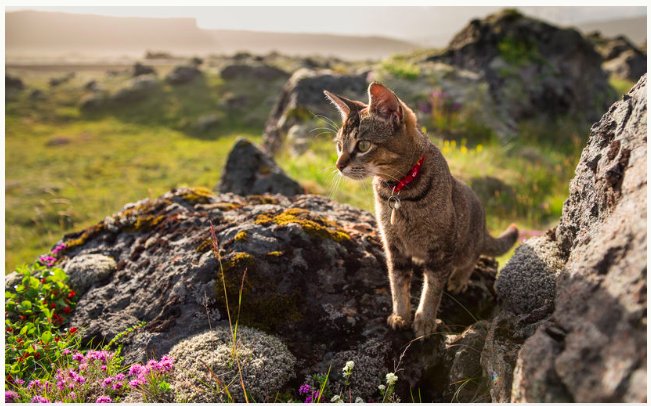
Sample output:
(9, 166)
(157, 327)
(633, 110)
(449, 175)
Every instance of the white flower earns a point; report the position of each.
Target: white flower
(381, 388)
(391, 378)
(349, 366)
(359, 400)
(336, 399)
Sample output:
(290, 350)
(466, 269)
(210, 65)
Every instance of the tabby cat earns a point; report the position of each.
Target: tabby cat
(427, 218)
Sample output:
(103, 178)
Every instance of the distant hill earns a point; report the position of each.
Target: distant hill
(633, 28)
(34, 33)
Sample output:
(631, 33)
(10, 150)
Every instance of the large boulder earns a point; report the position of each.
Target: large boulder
(250, 171)
(532, 67)
(183, 74)
(589, 343)
(310, 272)
(302, 100)
(252, 71)
(621, 57)
(13, 82)
(136, 89)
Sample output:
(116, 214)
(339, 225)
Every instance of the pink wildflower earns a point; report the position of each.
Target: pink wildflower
(103, 399)
(10, 396)
(39, 399)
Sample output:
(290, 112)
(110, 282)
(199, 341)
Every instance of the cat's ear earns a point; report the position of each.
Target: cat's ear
(384, 103)
(344, 105)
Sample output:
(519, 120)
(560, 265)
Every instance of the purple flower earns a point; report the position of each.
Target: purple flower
(47, 260)
(136, 369)
(58, 248)
(136, 382)
(78, 356)
(73, 395)
(19, 382)
(119, 377)
(166, 363)
(103, 399)
(67, 351)
(39, 399)
(34, 384)
(10, 396)
(304, 389)
(117, 386)
(107, 382)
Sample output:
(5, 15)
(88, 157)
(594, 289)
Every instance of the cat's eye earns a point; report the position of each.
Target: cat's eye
(363, 146)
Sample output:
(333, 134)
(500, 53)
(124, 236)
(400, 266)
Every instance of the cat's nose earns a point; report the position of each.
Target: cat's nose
(341, 164)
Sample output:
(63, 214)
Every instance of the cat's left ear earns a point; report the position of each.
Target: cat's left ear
(384, 103)
(344, 105)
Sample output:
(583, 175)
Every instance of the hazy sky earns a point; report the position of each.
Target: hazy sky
(411, 23)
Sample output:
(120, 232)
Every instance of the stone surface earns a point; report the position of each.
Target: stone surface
(137, 89)
(264, 361)
(85, 271)
(13, 82)
(250, 171)
(183, 74)
(528, 281)
(590, 346)
(302, 99)
(533, 68)
(141, 69)
(251, 71)
(313, 272)
(621, 57)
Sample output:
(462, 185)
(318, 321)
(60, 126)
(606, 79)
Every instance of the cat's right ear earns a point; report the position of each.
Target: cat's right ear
(344, 105)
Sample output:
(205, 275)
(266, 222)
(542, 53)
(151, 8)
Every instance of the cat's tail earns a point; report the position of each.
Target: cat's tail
(498, 246)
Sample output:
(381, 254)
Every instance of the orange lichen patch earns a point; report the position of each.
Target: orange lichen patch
(196, 195)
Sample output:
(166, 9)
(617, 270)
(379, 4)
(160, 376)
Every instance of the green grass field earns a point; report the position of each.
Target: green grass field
(66, 170)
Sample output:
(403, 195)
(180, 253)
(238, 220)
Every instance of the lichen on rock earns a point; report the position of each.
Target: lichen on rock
(206, 363)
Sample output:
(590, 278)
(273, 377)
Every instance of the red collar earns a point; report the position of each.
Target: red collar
(410, 177)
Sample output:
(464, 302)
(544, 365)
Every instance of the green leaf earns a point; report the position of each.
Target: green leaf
(46, 337)
(26, 304)
(58, 275)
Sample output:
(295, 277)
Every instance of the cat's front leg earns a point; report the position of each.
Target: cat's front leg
(400, 273)
(433, 288)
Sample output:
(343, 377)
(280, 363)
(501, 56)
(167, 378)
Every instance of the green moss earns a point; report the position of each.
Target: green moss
(240, 236)
(518, 51)
(316, 226)
(401, 68)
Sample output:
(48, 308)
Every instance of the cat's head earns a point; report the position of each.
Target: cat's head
(375, 138)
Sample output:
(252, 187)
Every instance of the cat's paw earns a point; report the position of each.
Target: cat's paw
(424, 326)
(397, 322)
(456, 285)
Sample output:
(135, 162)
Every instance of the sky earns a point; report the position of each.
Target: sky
(416, 23)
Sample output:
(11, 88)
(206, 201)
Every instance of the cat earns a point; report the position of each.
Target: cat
(426, 217)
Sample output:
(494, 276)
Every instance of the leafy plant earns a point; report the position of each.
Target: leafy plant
(35, 309)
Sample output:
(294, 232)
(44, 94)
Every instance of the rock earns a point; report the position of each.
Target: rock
(36, 94)
(183, 74)
(299, 137)
(528, 281)
(264, 360)
(252, 72)
(54, 82)
(91, 86)
(532, 68)
(302, 99)
(85, 271)
(208, 123)
(139, 69)
(629, 65)
(310, 271)
(13, 82)
(92, 101)
(600, 314)
(621, 58)
(466, 381)
(12, 279)
(591, 345)
(138, 88)
(249, 171)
